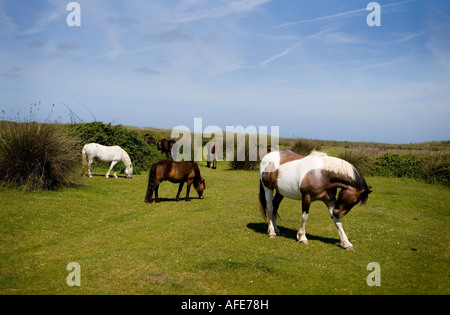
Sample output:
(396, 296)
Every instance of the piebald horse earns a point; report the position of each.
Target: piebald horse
(112, 154)
(211, 157)
(311, 178)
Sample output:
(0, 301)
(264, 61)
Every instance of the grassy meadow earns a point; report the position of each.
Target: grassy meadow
(219, 245)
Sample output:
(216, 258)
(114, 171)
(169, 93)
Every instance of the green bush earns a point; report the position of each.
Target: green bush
(37, 156)
(142, 154)
(395, 165)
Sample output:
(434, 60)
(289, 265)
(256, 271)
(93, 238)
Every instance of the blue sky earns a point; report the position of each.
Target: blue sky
(313, 68)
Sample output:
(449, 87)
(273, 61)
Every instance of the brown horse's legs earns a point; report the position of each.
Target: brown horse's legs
(177, 198)
(156, 193)
(149, 194)
(188, 188)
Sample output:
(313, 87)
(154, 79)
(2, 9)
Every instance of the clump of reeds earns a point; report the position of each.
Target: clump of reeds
(37, 156)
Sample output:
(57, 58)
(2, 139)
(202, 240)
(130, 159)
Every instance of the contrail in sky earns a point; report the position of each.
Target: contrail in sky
(338, 15)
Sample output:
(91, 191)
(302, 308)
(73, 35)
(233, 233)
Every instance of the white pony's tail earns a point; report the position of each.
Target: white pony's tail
(84, 159)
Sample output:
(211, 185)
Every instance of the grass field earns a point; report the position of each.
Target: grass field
(219, 245)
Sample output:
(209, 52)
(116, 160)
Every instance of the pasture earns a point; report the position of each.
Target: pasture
(219, 245)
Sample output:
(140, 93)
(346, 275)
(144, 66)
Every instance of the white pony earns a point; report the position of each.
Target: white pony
(112, 154)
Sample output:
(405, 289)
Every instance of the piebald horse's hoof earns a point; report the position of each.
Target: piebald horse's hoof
(272, 236)
(351, 248)
(304, 242)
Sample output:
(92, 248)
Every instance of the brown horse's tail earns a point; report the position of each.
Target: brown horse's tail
(262, 201)
(84, 161)
(151, 183)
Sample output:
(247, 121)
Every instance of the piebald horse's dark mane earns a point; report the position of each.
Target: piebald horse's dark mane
(358, 182)
(361, 185)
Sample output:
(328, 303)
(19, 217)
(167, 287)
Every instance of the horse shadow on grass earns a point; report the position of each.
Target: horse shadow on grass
(166, 199)
(110, 176)
(292, 234)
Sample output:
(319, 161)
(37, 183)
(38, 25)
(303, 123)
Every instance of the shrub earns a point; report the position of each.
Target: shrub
(37, 156)
(436, 169)
(304, 147)
(246, 165)
(363, 162)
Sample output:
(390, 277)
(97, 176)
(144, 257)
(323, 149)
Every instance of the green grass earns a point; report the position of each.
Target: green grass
(219, 245)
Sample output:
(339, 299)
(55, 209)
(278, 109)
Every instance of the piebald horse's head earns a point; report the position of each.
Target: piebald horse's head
(348, 198)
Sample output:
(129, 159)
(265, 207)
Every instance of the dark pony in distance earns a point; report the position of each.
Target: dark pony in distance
(151, 140)
(175, 172)
(165, 146)
(314, 177)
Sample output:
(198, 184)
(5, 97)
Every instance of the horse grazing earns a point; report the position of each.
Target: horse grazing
(314, 177)
(174, 172)
(211, 157)
(165, 146)
(112, 154)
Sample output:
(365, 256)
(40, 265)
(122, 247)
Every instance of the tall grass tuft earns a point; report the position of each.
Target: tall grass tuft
(37, 156)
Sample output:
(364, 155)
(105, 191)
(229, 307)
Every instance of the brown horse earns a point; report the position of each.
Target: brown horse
(165, 146)
(311, 178)
(174, 172)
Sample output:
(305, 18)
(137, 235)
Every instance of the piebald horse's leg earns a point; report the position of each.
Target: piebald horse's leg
(113, 163)
(345, 243)
(276, 204)
(269, 204)
(301, 235)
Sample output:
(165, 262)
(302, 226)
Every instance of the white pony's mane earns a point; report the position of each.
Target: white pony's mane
(334, 164)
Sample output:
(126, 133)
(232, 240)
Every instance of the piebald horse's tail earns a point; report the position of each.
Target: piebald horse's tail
(262, 201)
(84, 161)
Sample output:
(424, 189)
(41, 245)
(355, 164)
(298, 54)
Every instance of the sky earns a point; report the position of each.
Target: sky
(315, 69)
